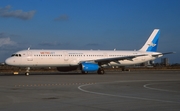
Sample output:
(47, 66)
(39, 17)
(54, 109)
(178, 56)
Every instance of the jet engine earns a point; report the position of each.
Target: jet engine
(89, 67)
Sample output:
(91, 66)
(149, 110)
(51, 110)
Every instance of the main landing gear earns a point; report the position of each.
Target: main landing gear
(84, 72)
(100, 71)
(125, 69)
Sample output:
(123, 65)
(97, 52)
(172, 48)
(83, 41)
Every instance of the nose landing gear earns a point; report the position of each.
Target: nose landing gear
(27, 71)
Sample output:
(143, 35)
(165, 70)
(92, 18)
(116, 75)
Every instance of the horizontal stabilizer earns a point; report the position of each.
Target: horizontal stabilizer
(163, 53)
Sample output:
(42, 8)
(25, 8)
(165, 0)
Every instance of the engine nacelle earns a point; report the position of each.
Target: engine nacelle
(89, 67)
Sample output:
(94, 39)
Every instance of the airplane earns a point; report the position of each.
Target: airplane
(86, 60)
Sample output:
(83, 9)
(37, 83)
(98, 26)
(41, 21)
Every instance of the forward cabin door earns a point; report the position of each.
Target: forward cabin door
(29, 56)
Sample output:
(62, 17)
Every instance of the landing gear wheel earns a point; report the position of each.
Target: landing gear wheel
(27, 73)
(100, 71)
(84, 72)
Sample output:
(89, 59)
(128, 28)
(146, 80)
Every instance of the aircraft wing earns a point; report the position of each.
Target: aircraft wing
(115, 59)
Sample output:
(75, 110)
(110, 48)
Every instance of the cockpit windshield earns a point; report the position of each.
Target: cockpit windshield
(17, 55)
(12, 55)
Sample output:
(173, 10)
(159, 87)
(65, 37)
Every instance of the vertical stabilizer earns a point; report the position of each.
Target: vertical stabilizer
(152, 42)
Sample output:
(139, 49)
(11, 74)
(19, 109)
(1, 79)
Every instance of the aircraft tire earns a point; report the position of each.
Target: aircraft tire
(27, 73)
(84, 72)
(100, 71)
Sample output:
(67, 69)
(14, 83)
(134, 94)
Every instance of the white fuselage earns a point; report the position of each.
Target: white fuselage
(58, 58)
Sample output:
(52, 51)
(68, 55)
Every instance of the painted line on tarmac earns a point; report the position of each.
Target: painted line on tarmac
(158, 89)
(121, 96)
(46, 85)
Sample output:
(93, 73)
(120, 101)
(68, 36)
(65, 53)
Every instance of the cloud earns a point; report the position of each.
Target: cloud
(7, 13)
(93, 44)
(50, 44)
(6, 41)
(3, 35)
(63, 17)
(55, 45)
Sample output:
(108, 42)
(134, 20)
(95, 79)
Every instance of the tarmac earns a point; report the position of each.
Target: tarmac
(113, 91)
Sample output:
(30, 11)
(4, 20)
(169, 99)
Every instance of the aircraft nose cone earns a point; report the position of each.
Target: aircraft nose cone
(9, 61)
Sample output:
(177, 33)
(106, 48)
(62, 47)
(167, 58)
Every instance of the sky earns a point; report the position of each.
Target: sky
(88, 24)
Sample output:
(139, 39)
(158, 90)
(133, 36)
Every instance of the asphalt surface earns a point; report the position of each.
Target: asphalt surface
(113, 91)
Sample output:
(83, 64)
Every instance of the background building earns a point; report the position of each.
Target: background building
(165, 61)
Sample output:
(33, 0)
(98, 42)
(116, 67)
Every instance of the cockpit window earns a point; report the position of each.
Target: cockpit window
(12, 55)
(17, 55)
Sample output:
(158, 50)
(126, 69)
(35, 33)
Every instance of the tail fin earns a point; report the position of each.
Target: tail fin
(152, 42)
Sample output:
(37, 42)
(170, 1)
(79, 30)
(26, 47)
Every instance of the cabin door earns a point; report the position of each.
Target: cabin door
(105, 54)
(29, 56)
(66, 56)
